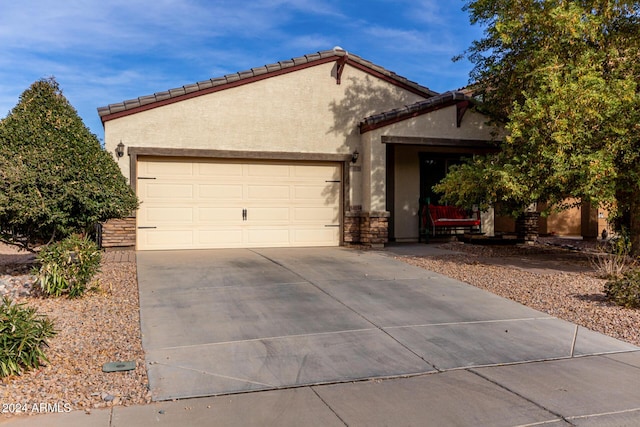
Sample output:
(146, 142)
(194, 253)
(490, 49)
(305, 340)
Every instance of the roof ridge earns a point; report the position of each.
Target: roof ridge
(216, 82)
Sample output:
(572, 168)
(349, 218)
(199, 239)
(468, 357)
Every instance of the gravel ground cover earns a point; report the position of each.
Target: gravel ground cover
(104, 325)
(101, 327)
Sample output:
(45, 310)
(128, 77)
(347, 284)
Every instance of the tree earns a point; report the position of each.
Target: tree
(55, 178)
(562, 76)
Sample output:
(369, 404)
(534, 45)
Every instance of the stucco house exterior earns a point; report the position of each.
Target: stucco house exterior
(321, 150)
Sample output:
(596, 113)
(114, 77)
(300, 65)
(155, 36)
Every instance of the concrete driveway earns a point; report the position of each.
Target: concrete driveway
(226, 321)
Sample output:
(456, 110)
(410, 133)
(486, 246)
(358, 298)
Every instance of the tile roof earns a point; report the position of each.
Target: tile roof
(416, 109)
(211, 85)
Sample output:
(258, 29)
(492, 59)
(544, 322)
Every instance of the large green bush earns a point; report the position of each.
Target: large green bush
(67, 267)
(55, 178)
(625, 291)
(23, 334)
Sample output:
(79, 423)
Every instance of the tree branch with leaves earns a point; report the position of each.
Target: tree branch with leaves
(562, 76)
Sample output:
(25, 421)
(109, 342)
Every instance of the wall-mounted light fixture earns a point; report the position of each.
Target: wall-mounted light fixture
(120, 149)
(354, 156)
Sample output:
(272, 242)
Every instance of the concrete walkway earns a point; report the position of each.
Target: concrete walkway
(333, 336)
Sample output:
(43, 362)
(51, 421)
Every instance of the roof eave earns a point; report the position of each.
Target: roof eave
(420, 108)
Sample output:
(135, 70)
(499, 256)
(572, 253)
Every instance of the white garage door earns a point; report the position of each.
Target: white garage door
(200, 204)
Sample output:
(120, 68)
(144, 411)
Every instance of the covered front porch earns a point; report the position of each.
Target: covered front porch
(414, 166)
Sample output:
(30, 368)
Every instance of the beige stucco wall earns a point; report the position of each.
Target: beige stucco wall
(565, 223)
(569, 222)
(301, 112)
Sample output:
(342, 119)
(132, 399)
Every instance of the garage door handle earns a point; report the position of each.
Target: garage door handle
(244, 214)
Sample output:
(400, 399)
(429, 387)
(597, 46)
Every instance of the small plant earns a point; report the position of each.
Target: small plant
(23, 334)
(624, 291)
(614, 258)
(66, 267)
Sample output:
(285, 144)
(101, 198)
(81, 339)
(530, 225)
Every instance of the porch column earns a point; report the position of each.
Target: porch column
(370, 226)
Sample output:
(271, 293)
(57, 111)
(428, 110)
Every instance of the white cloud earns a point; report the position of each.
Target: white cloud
(309, 43)
(411, 40)
(426, 11)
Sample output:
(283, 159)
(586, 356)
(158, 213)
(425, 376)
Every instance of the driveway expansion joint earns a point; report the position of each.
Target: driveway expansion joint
(533, 402)
(328, 406)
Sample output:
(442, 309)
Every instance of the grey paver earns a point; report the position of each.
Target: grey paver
(226, 314)
(320, 264)
(164, 271)
(589, 342)
(297, 407)
(629, 418)
(434, 300)
(578, 387)
(462, 345)
(632, 358)
(272, 363)
(456, 398)
(475, 344)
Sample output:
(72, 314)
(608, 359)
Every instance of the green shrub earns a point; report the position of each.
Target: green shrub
(67, 267)
(55, 178)
(625, 291)
(23, 334)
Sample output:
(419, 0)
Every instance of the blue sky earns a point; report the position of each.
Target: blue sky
(103, 52)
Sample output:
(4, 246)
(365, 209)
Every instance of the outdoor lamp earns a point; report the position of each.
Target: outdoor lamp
(120, 149)
(354, 156)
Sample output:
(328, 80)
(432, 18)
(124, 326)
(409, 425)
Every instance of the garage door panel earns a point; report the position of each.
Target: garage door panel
(170, 215)
(157, 238)
(224, 204)
(220, 169)
(316, 236)
(268, 192)
(268, 170)
(168, 168)
(220, 238)
(276, 214)
(324, 215)
(159, 191)
(257, 237)
(220, 191)
(218, 215)
(323, 193)
(319, 172)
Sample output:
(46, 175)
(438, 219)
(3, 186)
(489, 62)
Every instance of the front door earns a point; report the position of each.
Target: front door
(433, 168)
